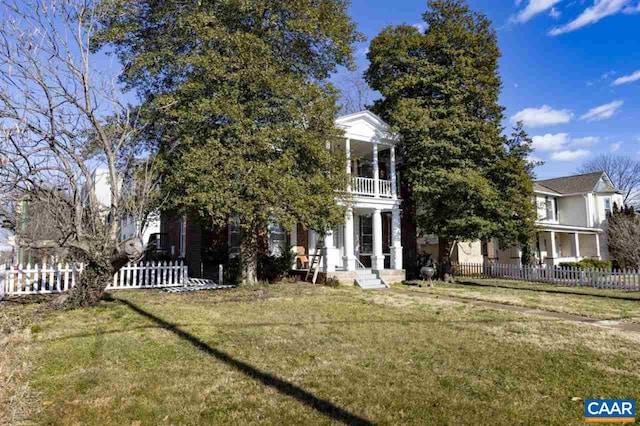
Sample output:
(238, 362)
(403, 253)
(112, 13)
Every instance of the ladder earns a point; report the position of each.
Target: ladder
(314, 264)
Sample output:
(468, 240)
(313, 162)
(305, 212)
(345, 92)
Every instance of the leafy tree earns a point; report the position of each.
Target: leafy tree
(440, 91)
(512, 174)
(240, 105)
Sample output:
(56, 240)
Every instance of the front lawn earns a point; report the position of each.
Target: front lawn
(595, 303)
(298, 354)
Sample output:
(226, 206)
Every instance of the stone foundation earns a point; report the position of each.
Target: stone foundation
(393, 276)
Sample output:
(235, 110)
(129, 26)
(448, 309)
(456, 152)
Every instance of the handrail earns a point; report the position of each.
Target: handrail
(360, 268)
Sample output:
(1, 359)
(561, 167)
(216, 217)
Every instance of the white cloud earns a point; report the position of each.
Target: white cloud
(615, 147)
(421, 26)
(570, 155)
(543, 116)
(627, 79)
(555, 13)
(602, 112)
(533, 8)
(587, 140)
(600, 9)
(534, 159)
(550, 142)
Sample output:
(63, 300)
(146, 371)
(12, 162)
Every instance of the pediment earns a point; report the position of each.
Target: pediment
(366, 126)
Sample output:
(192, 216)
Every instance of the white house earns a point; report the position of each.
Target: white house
(367, 247)
(572, 217)
(129, 226)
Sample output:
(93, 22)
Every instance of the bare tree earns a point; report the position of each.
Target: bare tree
(623, 171)
(355, 93)
(623, 233)
(62, 117)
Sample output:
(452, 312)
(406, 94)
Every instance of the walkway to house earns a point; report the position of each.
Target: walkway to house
(625, 326)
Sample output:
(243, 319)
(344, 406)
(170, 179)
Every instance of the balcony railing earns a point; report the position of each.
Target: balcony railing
(366, 187)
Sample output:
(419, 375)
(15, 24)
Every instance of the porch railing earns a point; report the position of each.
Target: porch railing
(367, 187)
(385, 188)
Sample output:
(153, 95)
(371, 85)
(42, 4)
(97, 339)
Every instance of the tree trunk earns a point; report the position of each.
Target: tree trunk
(91, 285)
(249, 257)
(98, 273)
(445, 269)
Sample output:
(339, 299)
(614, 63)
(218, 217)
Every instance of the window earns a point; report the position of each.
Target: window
(551, 207)
(234, 238)
(183, 236)
(277, 240)
(607, 207)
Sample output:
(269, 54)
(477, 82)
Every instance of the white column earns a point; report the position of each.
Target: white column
(598, 247)
(347, 148)
(552, 252)
(313, 238)
(376, 171)
(349, 257)
(377, 260)
(396, 239)
(394, 183)
(293, 241)
(331, 254)
(575, 246)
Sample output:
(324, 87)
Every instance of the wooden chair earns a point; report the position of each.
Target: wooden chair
(303, 262)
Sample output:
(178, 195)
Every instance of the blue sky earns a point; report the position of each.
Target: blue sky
(570, 70)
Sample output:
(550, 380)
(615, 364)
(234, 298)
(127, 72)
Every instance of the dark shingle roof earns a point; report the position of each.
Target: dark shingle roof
(541, 188)
(571, 184)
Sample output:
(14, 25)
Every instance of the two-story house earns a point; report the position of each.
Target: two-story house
(365, 249)
(572, 215)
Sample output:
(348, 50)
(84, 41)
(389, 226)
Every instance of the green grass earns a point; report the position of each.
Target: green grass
(603, 304)
(297, 354)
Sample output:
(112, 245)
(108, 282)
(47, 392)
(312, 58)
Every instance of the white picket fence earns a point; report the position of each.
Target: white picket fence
(47, 279)
(572, 277)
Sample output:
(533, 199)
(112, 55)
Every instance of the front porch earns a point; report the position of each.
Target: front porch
(369, 239)
(558, 246)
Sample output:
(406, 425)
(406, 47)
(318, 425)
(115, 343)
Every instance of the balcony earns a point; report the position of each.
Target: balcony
(366, 187)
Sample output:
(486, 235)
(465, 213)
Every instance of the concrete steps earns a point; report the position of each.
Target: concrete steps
(368, 280)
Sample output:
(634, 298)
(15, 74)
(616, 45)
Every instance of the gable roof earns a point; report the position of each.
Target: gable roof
(538, 187)
(578, 184)
(366, 125)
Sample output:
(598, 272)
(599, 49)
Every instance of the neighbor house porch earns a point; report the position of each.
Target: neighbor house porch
(555, 246)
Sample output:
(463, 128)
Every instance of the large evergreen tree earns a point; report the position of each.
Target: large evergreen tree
(241, 107)
(440, 91)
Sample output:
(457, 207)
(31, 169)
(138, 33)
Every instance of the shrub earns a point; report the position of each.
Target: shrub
(274, 268)
(587, 264)
(595, 264)
(332, 282)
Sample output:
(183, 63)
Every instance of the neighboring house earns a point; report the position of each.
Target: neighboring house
(129, 226)
(7, 245)
(572, 216)
(370, 237)
(572, 220)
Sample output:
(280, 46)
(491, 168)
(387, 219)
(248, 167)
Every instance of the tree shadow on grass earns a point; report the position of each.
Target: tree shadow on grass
(321, 405)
